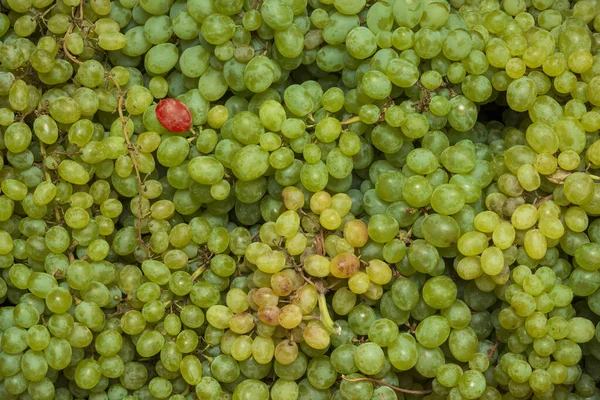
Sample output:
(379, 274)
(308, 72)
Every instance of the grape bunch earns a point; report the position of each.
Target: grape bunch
(299, 199)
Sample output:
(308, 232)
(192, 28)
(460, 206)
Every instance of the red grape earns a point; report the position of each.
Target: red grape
(174, 115)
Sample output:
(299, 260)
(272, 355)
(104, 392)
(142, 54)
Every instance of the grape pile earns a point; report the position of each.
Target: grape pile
(299, 199)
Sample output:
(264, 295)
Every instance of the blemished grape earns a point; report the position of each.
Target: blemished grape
(173, 115)
(281, 199)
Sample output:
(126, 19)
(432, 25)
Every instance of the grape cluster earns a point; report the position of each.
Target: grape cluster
(299, 199)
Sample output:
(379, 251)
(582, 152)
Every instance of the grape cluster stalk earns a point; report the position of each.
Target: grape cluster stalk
(299, 199)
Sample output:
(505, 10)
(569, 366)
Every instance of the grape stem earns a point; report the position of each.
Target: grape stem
(539, 202)
(72, 247)
(560, 176)
(43, 154)
(58, 214)
(319, 242)
(194, 135)
(412, 328)
(351, 120)
(424, 100)
(298, 269)
(326, 319)
(131, 150)
(405, 237)
(120, 311)
(493, 350)
(198, 272)
(69, 31)
(65, 50)
(66, 153)
(81, 10)
(396, 388)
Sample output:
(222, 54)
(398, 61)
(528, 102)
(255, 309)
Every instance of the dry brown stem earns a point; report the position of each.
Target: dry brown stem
(132, 155)
(493, 350)
(66, 50)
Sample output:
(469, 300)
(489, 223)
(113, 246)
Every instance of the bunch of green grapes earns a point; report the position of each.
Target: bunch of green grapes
(367, 200)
